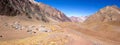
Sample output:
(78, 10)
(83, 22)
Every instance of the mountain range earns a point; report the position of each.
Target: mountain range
(31, 10)
(26, 22)
(78, 19)
(107, 14)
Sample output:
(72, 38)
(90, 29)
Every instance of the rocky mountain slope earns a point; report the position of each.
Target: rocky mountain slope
(104, 25)
(107, 14)
(22, 22)
(31, 10)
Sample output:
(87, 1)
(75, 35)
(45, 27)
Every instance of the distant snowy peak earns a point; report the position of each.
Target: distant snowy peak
(83, 17)
(78, 19)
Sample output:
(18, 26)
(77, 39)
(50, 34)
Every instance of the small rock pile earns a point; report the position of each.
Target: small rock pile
(17, 26)
(29, 28)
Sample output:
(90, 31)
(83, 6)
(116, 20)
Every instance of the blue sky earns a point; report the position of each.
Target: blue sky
(80, 7)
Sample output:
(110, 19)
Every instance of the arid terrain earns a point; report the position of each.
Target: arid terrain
(21, 32)
(25, 22)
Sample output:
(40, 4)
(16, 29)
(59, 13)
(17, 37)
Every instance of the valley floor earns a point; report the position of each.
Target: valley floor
(61, 37)
(15, 32)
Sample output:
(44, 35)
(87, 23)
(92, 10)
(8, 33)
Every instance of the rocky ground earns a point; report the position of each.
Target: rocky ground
(25, 22)
(22, 32)
(42, 36)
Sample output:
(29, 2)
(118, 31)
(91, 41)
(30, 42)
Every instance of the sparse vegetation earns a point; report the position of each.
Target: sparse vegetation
(23, 22)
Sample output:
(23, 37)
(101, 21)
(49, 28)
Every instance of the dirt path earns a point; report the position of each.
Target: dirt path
(78, 39)
(73, 38)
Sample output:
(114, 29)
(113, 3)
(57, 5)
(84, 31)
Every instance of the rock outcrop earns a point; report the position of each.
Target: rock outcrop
(31, 10)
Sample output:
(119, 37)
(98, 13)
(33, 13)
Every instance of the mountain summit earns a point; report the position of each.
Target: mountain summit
(107, 14)
(31, 10)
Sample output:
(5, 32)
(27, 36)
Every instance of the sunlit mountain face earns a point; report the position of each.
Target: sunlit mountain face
(59, 22)
(80, 7)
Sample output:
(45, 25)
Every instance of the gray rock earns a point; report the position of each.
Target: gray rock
(44, 30)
